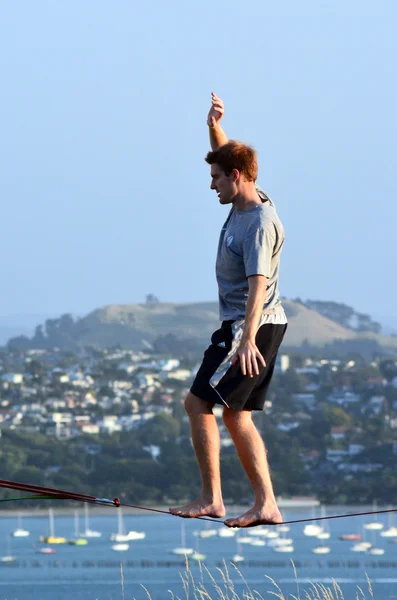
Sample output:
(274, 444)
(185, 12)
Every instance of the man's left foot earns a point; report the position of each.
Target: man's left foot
(257, 516)
(200, 508)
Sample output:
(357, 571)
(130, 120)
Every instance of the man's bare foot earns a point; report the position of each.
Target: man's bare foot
(258, 515)
(200, 508)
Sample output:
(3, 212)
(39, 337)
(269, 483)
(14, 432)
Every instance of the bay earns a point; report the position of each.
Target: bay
(93, 572)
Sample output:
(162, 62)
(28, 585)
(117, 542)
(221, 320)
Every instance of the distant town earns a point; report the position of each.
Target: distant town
(111, 417)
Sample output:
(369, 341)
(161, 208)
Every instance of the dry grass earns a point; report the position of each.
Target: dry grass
(198, 589)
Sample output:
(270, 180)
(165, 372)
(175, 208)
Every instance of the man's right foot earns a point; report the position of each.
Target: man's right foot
(200, 508)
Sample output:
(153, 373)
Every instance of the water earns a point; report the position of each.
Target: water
(92, 572)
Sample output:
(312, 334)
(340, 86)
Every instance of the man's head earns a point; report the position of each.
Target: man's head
(234, 168)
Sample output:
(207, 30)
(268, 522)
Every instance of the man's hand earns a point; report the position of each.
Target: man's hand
(216, 111)
(248, 354)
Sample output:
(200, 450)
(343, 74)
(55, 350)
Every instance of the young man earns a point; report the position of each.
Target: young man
(238, 365)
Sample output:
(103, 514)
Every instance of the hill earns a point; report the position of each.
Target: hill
(171, 326)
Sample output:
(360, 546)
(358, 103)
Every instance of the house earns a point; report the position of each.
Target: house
(338, 433)
(336, 455)
(308, 400)
(16, 378)
(282, 363)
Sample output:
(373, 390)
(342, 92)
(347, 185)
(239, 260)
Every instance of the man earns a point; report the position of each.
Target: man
(238, 365)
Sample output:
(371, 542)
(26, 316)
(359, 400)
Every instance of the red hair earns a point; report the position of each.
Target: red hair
(235, 155)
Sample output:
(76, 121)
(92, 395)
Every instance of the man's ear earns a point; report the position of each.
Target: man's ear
(236, 175)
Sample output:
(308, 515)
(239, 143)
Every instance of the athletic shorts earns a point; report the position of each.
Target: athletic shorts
(220, 382)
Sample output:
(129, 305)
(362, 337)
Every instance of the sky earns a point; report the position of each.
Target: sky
(104, 191)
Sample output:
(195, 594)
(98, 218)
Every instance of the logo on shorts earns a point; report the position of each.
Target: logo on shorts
(229, 240)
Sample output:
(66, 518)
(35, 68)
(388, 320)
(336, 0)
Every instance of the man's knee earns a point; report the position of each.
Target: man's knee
(196, 406)
(235, 418)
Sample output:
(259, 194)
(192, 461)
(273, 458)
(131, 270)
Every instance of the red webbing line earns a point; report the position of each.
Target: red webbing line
(27, 487)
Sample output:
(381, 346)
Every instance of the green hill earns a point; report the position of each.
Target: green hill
(168, 324)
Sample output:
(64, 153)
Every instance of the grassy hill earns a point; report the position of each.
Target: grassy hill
(132, 323)
(137, 325)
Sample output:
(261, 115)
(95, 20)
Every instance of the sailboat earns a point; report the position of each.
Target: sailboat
(207, 532)
(361, 545)
(8, 558)
(121, 536)
(20, 532)
(321, 550)
(197, 555)
(182, 550)
(121, 547)
(89, 533)
(391, 531)
(312, 530)
(238, 557)
(78, 540)
(52, 539)
(374, 525)
(325, 534)
(374, 549)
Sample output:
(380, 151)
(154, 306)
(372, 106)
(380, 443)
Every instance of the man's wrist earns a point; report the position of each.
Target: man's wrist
(247, 339)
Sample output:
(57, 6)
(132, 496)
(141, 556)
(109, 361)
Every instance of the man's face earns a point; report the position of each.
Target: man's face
(223, 184)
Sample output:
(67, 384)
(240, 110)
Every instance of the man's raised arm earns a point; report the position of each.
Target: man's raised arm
(217, 136)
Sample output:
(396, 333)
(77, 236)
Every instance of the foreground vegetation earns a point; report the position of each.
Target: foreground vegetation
(225, 590)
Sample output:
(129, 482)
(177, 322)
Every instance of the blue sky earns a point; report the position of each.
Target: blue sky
(105, 193)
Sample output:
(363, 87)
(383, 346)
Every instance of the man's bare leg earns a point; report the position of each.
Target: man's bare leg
(206, 443)
(252, 453)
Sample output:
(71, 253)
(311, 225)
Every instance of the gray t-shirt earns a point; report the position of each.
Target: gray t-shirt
(250, 244)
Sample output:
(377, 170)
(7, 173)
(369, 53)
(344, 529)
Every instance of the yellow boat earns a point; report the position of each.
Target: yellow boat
(78, 542)
(53, 540)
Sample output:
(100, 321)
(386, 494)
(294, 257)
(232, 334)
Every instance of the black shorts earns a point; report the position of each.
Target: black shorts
(219, 382)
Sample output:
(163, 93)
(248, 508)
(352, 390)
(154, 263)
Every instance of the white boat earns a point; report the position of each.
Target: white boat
(391, 531)
(8, 558)
(361, 547)
(122, 547)
(282, 541)
(197, 555)
(245, 539)
(289, 548)
(374, 525)
(325, 534)
(321, 550)
(207, 533)
(312, 530)
(376, 551)
(284, 528)
(121, 535)
(238, 557)
(88, 533)
(182, 550)
(136, 535)
(258, 542)
(272, 534)
(20, 531)
(227, 532)
(259, 531)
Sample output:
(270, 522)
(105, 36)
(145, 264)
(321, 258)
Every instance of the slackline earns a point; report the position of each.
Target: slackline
(46, 493)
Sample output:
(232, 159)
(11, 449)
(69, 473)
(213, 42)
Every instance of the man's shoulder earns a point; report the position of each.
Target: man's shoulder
(264, 196)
